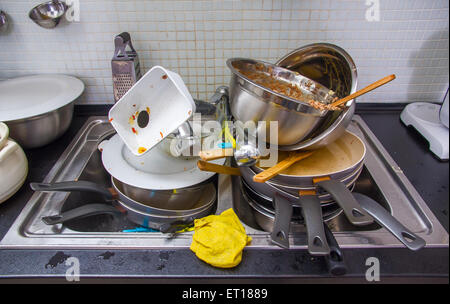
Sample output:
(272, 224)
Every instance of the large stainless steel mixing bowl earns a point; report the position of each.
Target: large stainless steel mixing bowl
(250, 101)
(39, 130)
(332, 67)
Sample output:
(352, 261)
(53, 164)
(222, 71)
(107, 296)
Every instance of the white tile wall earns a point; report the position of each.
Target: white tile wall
(194, 38)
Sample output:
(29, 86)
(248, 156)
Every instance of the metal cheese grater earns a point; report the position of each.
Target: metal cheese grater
(125, 65)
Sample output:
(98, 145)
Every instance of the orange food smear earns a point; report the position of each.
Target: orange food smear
(164, 77)
(161, 134)
(134, 130)
(111, 119)
(141, 150)
(148, 110)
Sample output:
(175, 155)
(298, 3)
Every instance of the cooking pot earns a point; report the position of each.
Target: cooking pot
(155, 178)
(138, 212)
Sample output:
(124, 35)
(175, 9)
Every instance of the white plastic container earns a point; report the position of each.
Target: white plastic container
(152, 109)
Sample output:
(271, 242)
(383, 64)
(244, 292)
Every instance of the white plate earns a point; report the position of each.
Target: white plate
(163, 98)
(29, 96)
(156, 169)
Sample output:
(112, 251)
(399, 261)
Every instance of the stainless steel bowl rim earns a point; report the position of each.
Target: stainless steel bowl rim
(38, 116)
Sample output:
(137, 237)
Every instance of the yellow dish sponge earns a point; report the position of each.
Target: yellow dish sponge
(219, 239)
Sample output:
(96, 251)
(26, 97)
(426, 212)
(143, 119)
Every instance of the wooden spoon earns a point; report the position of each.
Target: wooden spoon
(293, 157)
(205, 166)
(215, 154)
(367, 89)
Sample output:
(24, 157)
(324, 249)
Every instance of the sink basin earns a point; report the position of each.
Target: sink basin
(381, 179)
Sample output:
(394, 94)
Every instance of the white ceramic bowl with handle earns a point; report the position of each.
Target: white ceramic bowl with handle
(13, 165)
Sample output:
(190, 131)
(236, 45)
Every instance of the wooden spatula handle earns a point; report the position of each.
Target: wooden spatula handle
(205, 166)
(367, 89)
(264, 176)
(215, 154)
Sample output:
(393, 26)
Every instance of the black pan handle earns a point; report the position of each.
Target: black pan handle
(86, 186)
(312, 213)
(352, 209)
(80, 212)
(282, 223)
(385, 219)
(335, 260)
(176, 226)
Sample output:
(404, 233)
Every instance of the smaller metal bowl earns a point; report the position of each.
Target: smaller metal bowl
(48, 14)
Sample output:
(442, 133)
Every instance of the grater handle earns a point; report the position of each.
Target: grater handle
(121, 41)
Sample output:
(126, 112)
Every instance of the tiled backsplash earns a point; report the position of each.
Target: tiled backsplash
(194, 38)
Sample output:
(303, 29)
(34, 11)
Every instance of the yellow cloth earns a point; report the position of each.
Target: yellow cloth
(219, 239)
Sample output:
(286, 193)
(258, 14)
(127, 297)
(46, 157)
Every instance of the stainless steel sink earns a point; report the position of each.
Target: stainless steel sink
(381, 179)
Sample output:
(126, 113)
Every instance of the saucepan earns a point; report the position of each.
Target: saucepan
(331, 169)
(284, 206)
(264, 216)
(155, 183)
(141, 213)
(324, 172)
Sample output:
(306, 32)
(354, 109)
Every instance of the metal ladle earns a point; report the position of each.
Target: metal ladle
(3, 22)
(48, 14)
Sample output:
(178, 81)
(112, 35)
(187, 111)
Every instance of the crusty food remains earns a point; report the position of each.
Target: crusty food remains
(263, 78)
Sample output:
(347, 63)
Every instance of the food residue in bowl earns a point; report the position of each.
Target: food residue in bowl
(263, 77)
(141, 150)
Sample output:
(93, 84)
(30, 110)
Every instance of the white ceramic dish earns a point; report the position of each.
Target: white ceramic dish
(161, 99)
(13, 165)
(156, 169)
(29, 96)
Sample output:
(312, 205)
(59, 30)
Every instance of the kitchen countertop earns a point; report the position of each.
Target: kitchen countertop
(428, 175)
